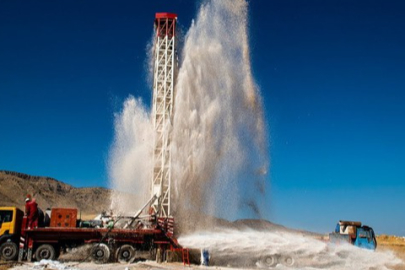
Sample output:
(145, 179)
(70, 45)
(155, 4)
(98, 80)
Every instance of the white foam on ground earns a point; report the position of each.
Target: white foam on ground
(247, 248)
(49, 264)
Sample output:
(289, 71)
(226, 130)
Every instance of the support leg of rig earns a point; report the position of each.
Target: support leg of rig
(159, 255)
(29, 255)
(20, 254)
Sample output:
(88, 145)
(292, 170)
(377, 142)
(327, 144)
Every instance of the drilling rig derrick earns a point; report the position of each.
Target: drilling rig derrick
(162, 114)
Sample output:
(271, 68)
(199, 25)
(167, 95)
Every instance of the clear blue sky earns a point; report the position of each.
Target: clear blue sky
(332, 75)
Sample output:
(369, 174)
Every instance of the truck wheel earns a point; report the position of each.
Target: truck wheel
(125, 254)
(8, 251)
(100, 253)
(288, 260)
(269, 261)
(45, 252)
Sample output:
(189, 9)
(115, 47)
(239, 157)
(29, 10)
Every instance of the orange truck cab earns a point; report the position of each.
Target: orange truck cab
(10, 229)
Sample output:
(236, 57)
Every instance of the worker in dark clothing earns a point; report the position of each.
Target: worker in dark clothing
(31, 211)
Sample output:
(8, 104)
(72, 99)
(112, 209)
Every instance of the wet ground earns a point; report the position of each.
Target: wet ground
(55, 265)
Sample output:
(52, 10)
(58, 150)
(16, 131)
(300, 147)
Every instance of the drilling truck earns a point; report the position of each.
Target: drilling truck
(134, 235)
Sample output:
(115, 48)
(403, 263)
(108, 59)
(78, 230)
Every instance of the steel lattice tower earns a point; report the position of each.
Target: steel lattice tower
(162, 114)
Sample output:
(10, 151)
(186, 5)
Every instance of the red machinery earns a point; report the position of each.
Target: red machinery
(108, 244)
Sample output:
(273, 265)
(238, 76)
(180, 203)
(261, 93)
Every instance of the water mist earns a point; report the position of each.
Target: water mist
(218, 136)
(219, 158)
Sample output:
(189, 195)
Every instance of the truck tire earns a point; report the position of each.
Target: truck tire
(9, 251)
(45, 252)
(288, 260)
(100, 253)
(125, 253)
(269, 261)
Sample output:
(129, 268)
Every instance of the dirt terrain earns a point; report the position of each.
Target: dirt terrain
(50, 192)
(393, 243)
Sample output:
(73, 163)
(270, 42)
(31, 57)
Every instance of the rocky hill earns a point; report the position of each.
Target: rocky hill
(50, 192)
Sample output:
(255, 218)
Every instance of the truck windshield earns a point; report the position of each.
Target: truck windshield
(6, 216)
(368, 234)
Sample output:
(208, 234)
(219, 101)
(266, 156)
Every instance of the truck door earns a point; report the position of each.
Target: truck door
(6, 221)
(365, 239)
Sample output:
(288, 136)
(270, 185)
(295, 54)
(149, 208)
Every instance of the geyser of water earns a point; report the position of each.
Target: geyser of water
(218, 141)
(130, 158)
(218, 144)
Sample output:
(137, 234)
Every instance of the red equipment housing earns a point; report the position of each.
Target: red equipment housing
(165, 24)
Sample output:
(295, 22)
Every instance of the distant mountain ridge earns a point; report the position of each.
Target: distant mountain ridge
(49, 192)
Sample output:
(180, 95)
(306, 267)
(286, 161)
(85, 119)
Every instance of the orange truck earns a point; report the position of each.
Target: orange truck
(65, 232)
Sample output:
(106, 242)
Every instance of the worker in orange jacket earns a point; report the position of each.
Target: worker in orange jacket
(31, 211)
